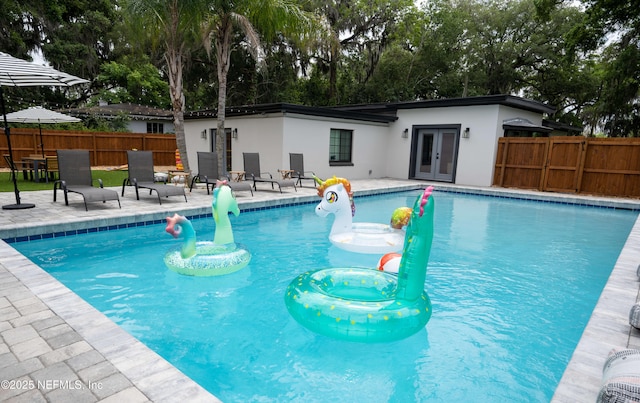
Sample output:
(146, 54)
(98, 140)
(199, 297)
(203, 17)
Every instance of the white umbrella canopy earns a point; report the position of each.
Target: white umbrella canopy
(38, 114)
(16, 72)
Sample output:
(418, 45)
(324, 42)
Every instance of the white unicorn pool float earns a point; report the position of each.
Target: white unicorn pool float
(363, 237)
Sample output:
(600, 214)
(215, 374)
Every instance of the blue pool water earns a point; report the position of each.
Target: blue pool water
(512, 283)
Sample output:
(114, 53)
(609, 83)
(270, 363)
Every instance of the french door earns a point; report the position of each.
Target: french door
(434, 153)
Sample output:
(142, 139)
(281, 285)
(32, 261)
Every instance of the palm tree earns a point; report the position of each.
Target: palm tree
(269, 17)
(172, 25)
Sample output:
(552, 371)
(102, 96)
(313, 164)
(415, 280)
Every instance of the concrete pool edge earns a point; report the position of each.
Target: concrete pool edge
(110, 340)
(579, 383)
(22, 232)
(608, 327)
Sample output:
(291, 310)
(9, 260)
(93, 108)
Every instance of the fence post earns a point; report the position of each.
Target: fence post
(505, 149)
(94, 159)
(544, 172)
(583, 156)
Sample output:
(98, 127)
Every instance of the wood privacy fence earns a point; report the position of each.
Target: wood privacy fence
(597, 166)
(106, 148)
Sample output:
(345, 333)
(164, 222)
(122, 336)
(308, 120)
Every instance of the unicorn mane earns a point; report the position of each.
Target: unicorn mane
(322, 185)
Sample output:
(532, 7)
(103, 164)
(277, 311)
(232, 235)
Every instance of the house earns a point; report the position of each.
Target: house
(142, 119)
(447, 140)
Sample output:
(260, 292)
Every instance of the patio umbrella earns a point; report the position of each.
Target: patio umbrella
(16, 72)
(39, 115)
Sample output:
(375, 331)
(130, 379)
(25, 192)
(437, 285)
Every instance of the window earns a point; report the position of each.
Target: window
(155, 127)
(340, 145)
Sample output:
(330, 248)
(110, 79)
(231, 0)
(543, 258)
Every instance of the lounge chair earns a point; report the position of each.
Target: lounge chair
(74, 170)
(252, 172)
(208, 174)
(16, 166)
(296, 164)
(141, 176)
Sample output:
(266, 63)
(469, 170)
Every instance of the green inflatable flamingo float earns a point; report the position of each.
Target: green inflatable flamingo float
(368, 305)
(203, 258)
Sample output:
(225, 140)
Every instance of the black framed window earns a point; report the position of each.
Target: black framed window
(153, 127)
(340, 146)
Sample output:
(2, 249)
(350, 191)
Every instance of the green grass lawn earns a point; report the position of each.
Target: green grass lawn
(109, 178)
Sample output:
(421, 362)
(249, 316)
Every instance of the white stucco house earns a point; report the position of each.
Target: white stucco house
(448, 140)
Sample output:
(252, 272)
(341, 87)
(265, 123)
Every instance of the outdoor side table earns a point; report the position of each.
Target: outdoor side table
(177, 175)
(237, 176)
(286, 173)
(37, 164)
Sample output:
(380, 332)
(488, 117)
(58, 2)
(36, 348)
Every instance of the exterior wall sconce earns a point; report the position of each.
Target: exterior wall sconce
(405, 133)
(203, 134)
(465, 133)
(234, 133)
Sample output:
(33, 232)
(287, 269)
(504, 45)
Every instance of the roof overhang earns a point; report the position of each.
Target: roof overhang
(284, 108)
(506, 100)
(522, 124)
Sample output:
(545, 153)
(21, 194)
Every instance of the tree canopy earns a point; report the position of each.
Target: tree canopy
(581, 57)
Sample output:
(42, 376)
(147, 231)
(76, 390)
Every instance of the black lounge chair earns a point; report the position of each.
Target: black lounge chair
(296, 164)
(15, 166)
(208, 174)
(74, 170)
(252, 172)
(141, 176)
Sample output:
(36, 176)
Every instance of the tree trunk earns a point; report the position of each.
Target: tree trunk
(174, 63)
(223, 53)
(173, 56)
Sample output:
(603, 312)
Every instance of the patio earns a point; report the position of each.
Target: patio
(56, 347)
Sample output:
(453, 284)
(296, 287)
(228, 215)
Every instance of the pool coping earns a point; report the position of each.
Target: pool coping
(28, 231)
(607, 329)
(150, 374)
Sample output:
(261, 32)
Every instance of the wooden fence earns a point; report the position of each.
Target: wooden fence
(597, 166)
(106, 148)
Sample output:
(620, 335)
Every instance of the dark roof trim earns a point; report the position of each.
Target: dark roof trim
(284, 108)
(506, 100)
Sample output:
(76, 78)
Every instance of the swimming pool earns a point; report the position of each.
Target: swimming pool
(496, 330)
